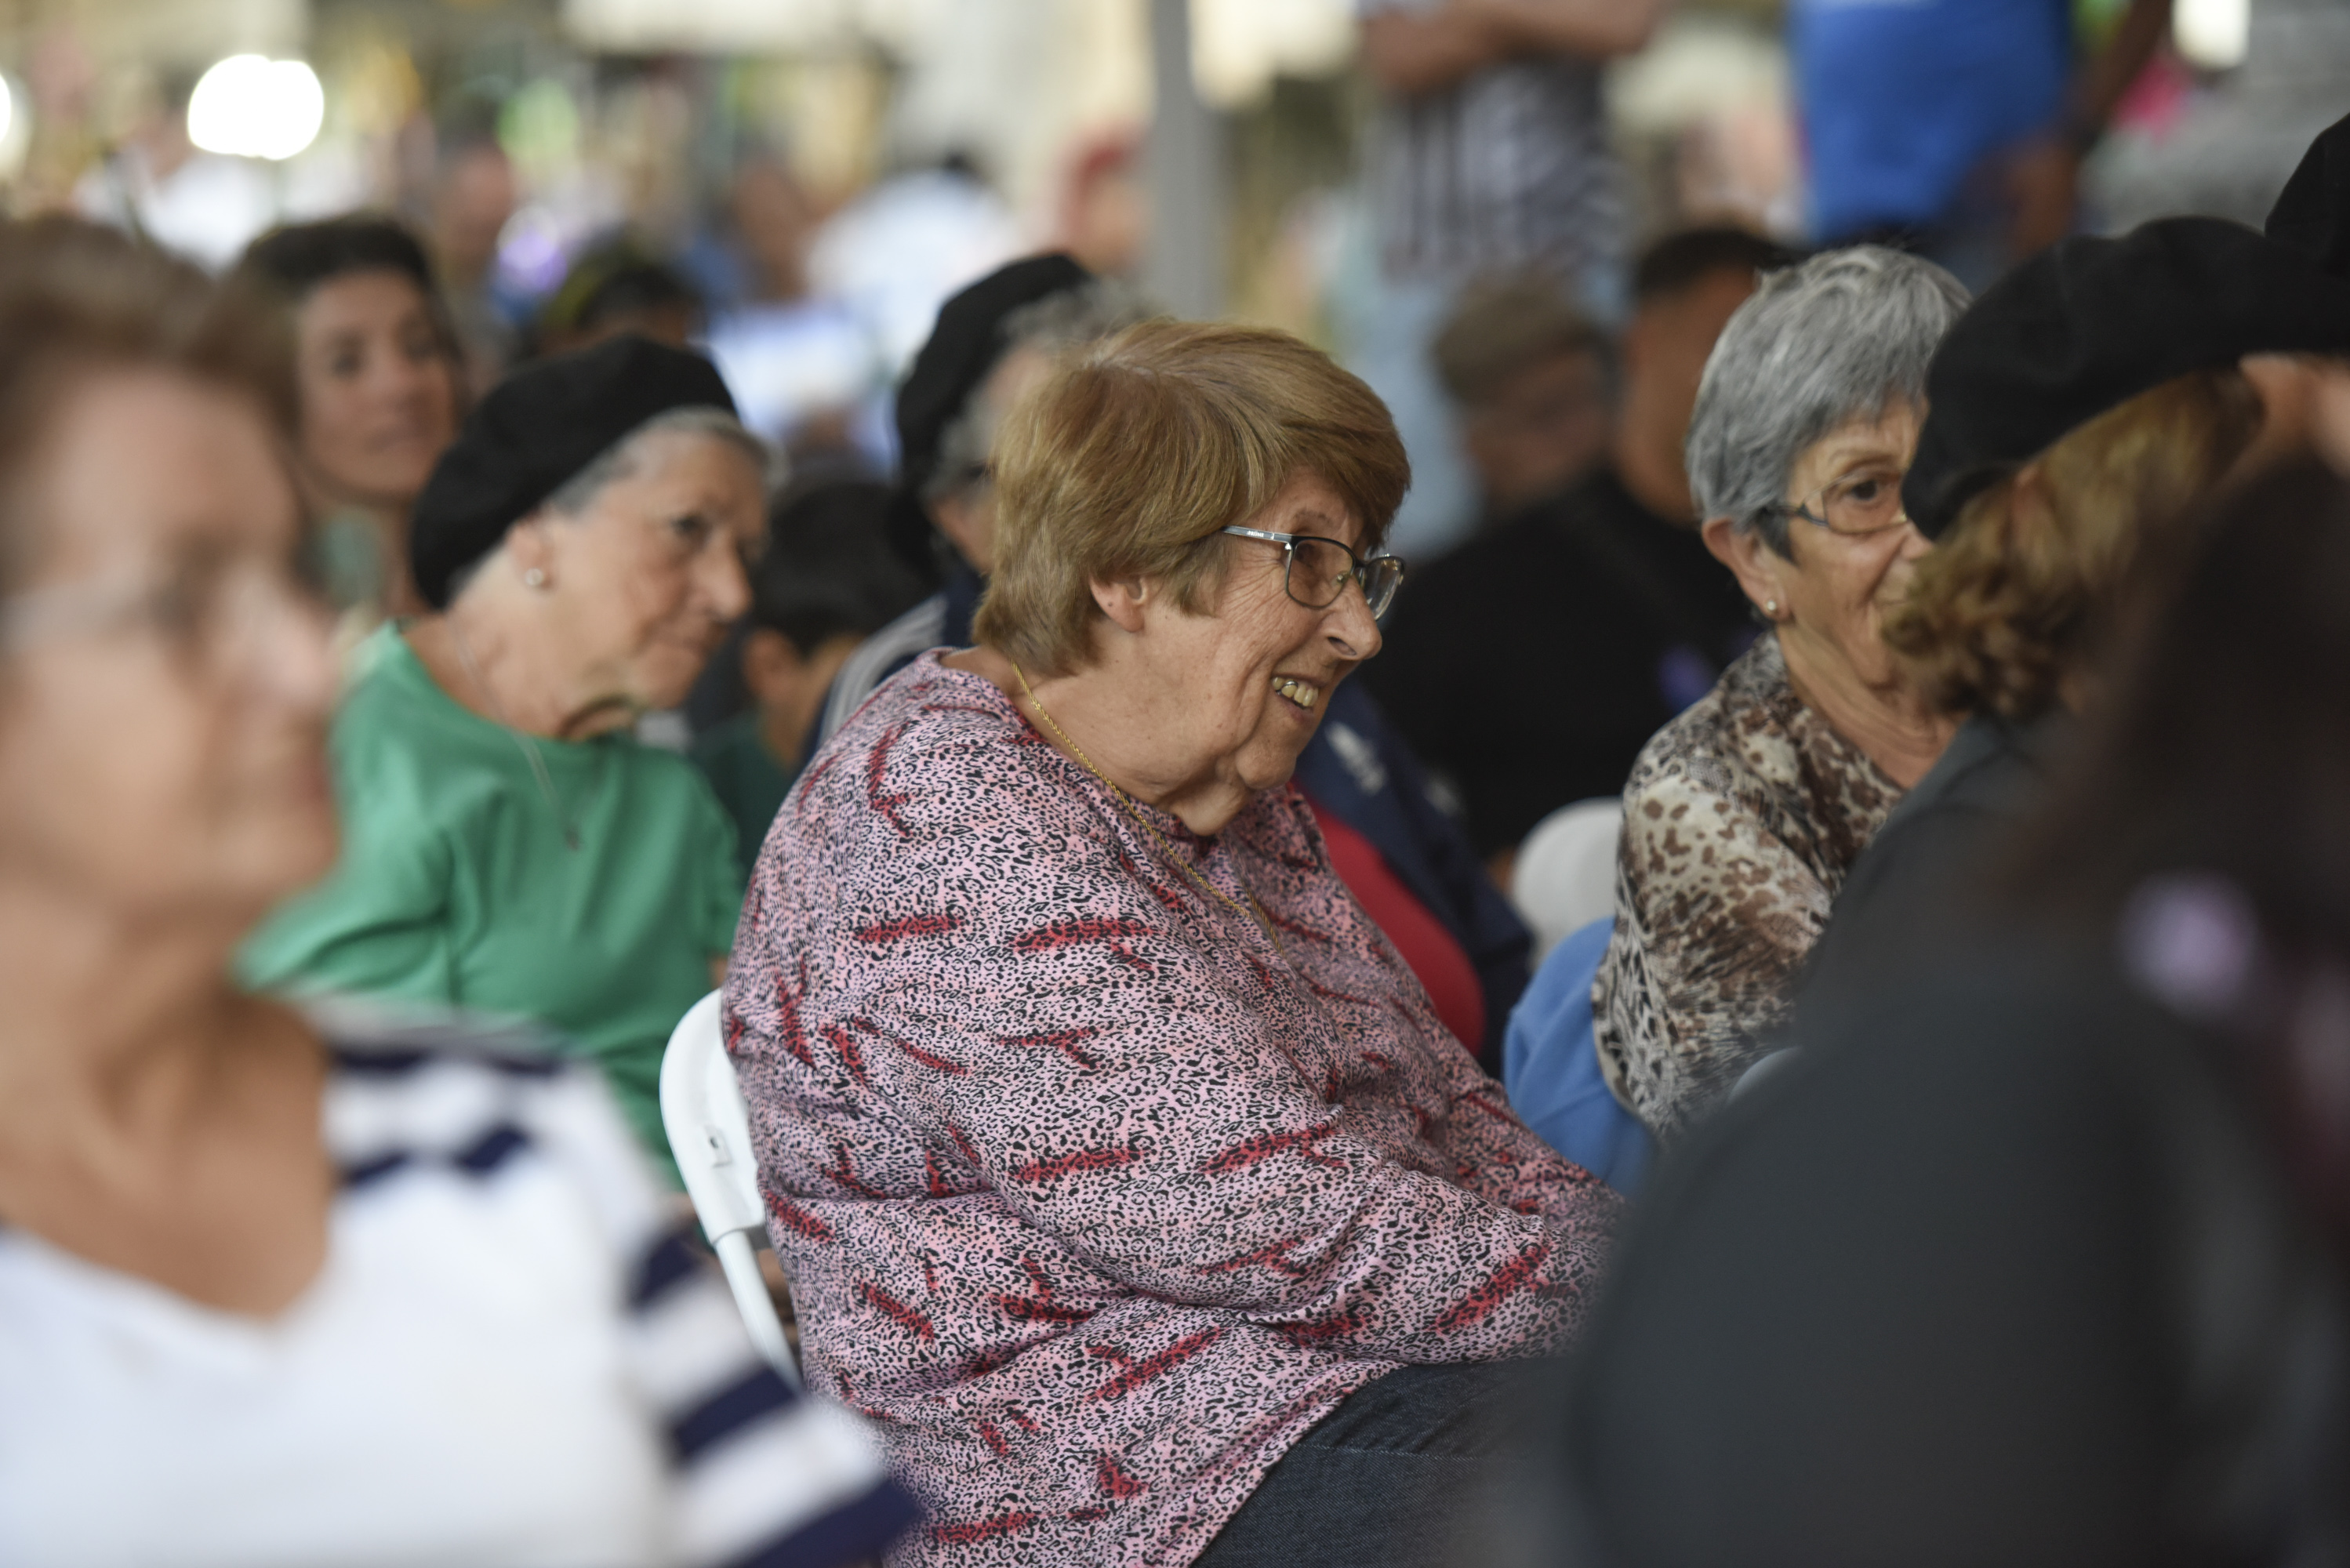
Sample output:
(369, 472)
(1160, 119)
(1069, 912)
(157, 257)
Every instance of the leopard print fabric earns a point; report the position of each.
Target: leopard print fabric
(1742, 819)
(1093, 1195)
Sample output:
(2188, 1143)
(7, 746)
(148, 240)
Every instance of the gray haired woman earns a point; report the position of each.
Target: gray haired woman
(507, 847)
(1743, 814)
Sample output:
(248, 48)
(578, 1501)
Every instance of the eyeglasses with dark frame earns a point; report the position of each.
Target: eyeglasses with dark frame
(1856, 506)
(1325, 577)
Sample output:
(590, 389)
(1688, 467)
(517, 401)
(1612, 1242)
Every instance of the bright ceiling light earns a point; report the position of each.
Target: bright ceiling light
(16, 126)
(2212, 33)
(250, 107)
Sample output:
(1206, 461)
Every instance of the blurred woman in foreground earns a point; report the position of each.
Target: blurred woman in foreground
(278, 1291)
(376, 364)
(2037, 1256)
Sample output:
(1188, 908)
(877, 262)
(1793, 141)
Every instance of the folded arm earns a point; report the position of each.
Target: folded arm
(1716, 913)
(1411, 52)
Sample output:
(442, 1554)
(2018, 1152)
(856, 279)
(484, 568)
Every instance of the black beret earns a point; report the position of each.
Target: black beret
(964, 348)
(537, 429)
(2089, 324)
(2312, 214)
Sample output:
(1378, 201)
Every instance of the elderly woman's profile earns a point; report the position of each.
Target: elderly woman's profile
(512, 849)
(1121, 1168)
(2065, 442)
(1743, 815)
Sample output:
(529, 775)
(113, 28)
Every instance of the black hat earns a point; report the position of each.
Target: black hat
(2312, 214)
(964, 348)
(537, 429)
(2088, 324)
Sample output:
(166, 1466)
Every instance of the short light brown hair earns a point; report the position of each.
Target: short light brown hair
(1504, 325)
(1137, 449)
(2015, 597)
(76, 298)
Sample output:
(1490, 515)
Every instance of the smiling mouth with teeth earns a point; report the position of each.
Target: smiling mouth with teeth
(1297, 691)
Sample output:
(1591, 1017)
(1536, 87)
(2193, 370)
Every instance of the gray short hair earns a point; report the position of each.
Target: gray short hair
(1847, 335)
(578, 493)
(1053, 325)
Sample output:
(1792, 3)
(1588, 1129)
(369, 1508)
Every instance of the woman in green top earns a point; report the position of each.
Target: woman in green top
(508, 846)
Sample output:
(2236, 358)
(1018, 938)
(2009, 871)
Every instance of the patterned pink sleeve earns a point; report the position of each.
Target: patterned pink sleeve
(1126, 1099)
(1497, 1155)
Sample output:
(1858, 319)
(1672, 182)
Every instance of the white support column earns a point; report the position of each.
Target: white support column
(1184, 161)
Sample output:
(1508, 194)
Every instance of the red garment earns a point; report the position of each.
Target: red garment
(1441, 964)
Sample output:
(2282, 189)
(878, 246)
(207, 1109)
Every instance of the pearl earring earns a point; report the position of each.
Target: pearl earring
(1770, 608)
(534, 578)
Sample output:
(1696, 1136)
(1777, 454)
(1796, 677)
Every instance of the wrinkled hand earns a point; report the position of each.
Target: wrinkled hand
(2043, 187)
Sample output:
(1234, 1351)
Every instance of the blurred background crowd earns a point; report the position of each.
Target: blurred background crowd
(800, 184)
(1786, 470)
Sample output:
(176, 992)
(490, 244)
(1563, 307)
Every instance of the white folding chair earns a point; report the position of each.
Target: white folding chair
(709, 1129)
(1566, 875)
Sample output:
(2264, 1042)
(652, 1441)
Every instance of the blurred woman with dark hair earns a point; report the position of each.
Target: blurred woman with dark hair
(276, 1288)
(376, 361)
(2037, 1255)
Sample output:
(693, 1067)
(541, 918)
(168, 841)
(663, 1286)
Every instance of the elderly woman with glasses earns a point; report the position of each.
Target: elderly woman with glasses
(1121, 1167)
(2066, 443)
(1743, 816)
(309, 1287)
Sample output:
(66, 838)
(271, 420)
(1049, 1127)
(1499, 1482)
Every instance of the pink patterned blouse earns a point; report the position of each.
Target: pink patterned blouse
(1092, 1195)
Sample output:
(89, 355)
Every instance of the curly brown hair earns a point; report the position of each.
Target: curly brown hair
(2016, 594)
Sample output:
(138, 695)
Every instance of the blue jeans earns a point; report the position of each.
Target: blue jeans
(1394, 1478)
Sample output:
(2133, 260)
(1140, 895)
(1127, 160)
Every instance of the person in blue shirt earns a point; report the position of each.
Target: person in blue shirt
(1956, 127)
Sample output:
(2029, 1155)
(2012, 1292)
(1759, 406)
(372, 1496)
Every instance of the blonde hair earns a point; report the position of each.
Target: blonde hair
(1134, 453)
(2016, 594)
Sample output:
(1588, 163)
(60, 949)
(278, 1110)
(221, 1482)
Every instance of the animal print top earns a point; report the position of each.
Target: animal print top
(1092, 1194)
(1741, 821)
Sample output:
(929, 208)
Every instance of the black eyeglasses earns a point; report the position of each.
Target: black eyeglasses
(1316, 570)
(1856, 506)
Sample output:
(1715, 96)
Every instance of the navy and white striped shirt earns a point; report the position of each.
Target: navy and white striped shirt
(514, 1353)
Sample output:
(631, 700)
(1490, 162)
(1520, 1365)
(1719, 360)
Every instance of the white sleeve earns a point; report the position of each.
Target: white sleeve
(762, 1474)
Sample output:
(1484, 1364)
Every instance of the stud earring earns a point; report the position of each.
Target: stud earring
(1770, 608)
(534, 578)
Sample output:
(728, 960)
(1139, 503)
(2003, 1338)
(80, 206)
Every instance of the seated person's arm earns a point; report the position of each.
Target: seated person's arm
(767, 1463)
(1143, 1106)
(1410, 52)
(1494, 1152)
(1714, 915)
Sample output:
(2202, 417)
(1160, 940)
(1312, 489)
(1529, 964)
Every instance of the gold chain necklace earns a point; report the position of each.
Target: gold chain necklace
(1254, 911)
